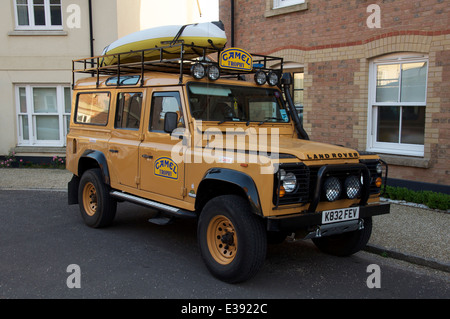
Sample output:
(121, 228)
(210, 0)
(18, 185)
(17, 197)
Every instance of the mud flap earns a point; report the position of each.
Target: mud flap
(72, 188)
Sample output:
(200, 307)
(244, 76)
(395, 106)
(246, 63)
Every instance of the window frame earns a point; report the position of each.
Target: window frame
(277, 4)
(373, 107)
(110, 101)
(299, 108)
(31, 21)
(32, 115)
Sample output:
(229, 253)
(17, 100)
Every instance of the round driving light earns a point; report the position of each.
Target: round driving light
(290, 182)
(352, 187)
(260, 78)
(213, 72)
(272, 78)
(198, 71)
(332, 188)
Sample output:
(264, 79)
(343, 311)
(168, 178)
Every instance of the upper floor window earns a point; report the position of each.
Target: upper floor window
(286, 3)
(38, 14)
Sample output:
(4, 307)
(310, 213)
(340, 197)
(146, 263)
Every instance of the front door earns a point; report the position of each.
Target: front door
(126, 137)
(159, 172)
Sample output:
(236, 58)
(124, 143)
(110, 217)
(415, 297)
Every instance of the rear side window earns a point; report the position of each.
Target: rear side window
(92, 108)
(128, 111)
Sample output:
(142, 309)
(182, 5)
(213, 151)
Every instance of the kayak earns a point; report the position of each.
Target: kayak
(208, 34)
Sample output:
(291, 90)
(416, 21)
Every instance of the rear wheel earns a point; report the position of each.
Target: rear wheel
(346, 244)
(97, 207)
(231, 238)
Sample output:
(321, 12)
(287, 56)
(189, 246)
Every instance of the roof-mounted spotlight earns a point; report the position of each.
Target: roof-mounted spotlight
(272, 78)
(260, 77)
(198, 71)
(213, 72)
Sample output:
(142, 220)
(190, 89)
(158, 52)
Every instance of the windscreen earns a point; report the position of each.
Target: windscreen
(222, 103)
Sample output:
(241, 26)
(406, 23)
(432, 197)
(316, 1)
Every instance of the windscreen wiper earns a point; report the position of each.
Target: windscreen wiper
(270, 118)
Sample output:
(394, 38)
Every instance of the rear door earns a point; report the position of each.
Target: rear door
(126, 137)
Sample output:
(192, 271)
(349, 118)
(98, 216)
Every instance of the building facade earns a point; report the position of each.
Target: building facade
(372, 75)
(40, 38)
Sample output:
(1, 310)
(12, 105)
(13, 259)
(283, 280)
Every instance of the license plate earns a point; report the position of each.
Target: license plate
(340, 215)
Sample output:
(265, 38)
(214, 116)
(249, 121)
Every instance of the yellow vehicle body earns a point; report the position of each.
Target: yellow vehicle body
(266, 180)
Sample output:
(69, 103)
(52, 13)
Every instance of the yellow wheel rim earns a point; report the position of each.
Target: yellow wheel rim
(222, 240)
(90, 199)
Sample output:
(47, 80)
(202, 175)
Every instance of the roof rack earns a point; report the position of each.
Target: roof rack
(171, 59)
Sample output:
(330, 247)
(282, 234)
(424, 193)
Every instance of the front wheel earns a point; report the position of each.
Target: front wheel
(231, 238)
(345, 244)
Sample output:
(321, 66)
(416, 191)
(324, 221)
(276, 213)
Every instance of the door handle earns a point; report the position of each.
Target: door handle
(147, 156)
(113, 151)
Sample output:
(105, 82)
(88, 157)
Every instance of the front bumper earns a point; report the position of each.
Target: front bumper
(306, 221)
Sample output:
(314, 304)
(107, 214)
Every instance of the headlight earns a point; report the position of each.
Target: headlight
(288, 180)
(379, 168)
(260, 78)
(332, 188)
(352, 187)
(198, 71)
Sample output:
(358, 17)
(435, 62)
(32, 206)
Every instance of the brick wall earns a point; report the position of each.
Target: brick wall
(331, 39)
(326, 23)
(333, 92)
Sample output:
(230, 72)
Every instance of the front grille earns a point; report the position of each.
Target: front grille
(310, 182)
(372, 166)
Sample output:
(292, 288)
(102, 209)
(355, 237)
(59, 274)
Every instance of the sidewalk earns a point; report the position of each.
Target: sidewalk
(413, 234)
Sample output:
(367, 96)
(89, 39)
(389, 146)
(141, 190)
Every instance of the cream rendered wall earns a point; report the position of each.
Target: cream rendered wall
(40, 58)
(128, 17)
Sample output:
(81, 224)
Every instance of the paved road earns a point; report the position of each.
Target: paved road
(40, 236)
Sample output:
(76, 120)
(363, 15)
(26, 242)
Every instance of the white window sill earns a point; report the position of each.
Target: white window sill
(37, 33)
(39, 149)
(271, 12)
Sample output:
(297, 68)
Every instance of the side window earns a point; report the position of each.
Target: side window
(92, 108)
(128, 111)
(163, 102)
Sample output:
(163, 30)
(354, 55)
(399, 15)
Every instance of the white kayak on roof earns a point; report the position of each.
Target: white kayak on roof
(208, 34)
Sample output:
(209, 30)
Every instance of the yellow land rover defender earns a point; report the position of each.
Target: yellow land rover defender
(214, 136)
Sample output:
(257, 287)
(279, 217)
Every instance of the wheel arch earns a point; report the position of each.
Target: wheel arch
(223, 181)
(89, 159)
(94, 159)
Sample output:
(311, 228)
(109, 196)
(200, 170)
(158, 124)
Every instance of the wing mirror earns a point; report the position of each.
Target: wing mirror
(170, 121)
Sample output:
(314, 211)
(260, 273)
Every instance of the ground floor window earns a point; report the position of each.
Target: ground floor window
(298, 90)
(397, 102)
(43, 113)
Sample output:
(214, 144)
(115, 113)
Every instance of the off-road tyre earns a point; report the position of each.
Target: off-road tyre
(97, 207)
(232, 239)
(345, 244)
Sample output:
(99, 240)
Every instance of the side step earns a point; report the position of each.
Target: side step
(168, 210)
(161, 220)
